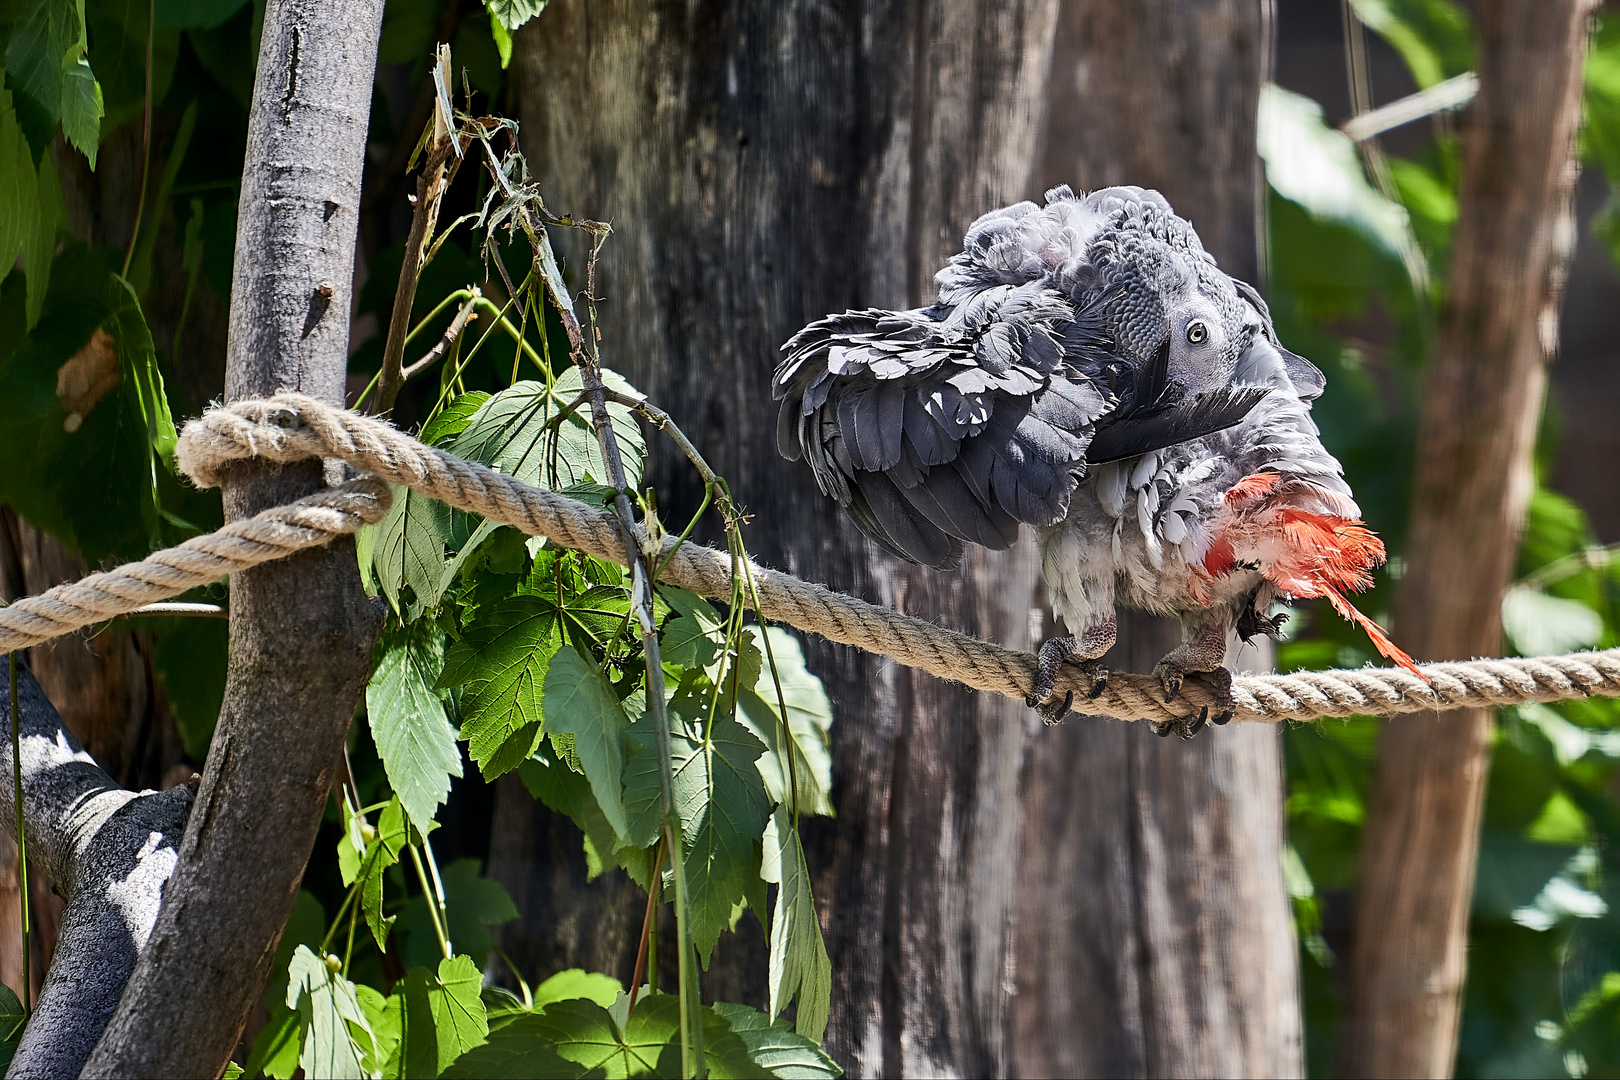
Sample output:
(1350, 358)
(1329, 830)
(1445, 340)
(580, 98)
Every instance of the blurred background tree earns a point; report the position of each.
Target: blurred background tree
(1352, 238)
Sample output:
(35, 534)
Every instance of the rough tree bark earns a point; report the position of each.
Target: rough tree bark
(301, 630)
(1154, 933)
(767, 165)
(108, 851)
(1481, 403)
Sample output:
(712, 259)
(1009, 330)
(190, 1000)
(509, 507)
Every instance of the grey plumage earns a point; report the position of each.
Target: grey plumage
(1048, 350)
(1089, 371)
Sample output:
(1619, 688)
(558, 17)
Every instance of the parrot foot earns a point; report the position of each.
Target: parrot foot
(1171, 675)
(1054, 653)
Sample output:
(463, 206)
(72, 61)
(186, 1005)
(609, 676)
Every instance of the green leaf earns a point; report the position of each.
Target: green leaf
(1316, 166)
(233, 1071)
(410, 548)
(503, 41)
(385, 1030)
(511, 14)
(19, 190)
(453, 418)
(473, 904)
(275, 1048)
(413, 734)
(775, 1046)
(501, 663)
(690, 637)
(809, 721)
(643, 790)
(1543, 625)
(82, 108)
(39, 242)
(799, 967)
(723, 809)
(137, 358)
(510, 433)
(393, 832)
(441, 1016)
(12, 1019)
(41, 47)
(580, 702)
(514, 1052)
(328, 1011)
(577, 983)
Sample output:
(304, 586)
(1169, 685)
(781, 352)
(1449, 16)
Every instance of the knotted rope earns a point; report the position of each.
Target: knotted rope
(290, 427)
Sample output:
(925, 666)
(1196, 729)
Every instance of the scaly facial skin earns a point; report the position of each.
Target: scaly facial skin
(1089, 371)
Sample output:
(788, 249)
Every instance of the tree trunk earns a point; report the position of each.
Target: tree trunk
(301, 630)
(765, 166)
(1154, 933)
(1481, 403)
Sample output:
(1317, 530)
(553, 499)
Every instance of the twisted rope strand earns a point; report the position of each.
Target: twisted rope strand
(290, 427)
(276, 533)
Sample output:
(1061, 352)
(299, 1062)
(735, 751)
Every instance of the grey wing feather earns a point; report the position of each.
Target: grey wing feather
(934, 429)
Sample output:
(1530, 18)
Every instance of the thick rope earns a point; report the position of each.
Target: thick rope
(309, 522)
(290, 427)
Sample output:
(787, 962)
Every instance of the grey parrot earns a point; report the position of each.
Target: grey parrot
(1089, 371)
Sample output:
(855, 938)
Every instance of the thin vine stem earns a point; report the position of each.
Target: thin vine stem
(648, 922)
(431, 900)
(337, 920)
(146, 141)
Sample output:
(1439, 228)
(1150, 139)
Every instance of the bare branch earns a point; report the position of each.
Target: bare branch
(109, 852)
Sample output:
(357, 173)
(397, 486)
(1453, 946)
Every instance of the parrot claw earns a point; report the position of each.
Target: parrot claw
(1053, 654)
(1182, 726)
(1220, 680)
(1053, 713)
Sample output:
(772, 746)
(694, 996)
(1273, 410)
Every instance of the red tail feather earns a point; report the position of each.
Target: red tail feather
(1375, 632)
(1321, 554)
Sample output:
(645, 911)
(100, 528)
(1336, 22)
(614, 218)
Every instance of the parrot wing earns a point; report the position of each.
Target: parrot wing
(950, 425)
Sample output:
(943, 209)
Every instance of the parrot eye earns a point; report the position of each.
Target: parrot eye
(1197, 332)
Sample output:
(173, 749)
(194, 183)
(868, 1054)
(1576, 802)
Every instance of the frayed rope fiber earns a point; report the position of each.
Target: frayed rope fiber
(290, 427)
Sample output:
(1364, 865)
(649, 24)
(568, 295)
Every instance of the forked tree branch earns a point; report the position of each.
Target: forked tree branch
(302, 630)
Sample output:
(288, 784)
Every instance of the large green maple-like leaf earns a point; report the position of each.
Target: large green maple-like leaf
(440, 1015)
(593, 1038)
(409, 724)
(501, 663)
(720, 800)
(799, 967)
